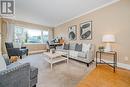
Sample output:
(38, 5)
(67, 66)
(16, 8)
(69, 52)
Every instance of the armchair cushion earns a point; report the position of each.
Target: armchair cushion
(2, 63)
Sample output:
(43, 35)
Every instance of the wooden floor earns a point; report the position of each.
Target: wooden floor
(103, 76)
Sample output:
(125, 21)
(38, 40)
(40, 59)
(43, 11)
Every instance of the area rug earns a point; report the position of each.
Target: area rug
(62, 75)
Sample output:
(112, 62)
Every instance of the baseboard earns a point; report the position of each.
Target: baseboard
(121, 65)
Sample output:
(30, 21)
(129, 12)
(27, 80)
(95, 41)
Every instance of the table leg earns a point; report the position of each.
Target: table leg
(51, 66)
(67, 60)
(116, 59)
(114, 62)
(100, 57)
(96, 59)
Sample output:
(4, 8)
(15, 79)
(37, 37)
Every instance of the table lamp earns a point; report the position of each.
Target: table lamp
(108, 39)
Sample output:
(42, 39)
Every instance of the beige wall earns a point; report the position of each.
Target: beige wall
(0, 35)
(113, 19)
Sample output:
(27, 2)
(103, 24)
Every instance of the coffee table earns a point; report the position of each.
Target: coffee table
(55, 57)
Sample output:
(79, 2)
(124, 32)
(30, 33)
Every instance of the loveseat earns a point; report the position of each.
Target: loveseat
(81, 52)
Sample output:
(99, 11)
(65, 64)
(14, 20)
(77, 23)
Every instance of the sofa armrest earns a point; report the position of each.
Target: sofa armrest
(16, 76)
(91, 53)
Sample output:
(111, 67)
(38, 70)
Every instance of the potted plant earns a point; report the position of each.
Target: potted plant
(101, 48)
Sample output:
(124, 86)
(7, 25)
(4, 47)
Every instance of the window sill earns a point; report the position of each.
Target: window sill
(33, 43)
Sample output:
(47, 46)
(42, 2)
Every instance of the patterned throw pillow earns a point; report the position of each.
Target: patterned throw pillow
(86, 47)
(78, 47)
(66, 47)
(72, 46)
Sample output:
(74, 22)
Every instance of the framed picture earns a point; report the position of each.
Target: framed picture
(72, 32)
(86, 30)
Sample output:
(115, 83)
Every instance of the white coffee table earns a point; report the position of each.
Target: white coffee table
(55, 57)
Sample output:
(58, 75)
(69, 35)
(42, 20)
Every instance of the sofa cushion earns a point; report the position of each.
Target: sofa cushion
(72, 46)
(73, 53)
(66, 47)
(78, 47)
(2, 63)
(86, 47)
(33, 72)
(82, 54)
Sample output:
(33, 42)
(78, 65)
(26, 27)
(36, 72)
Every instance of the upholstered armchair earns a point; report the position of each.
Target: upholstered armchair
(15, 51)
(49, 46)
(19, 75)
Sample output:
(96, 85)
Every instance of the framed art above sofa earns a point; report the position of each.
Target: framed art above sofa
(86, 30)
(72, 32)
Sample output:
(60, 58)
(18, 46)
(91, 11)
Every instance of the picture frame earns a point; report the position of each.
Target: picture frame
(72, 32)
(86, 30)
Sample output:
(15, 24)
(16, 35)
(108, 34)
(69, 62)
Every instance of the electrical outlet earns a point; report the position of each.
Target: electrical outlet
(126, 58)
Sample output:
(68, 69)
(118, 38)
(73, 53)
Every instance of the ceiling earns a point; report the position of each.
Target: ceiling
(54, 12)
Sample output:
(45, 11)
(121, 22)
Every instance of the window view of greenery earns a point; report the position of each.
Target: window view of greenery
(25, 35)
(45, 36)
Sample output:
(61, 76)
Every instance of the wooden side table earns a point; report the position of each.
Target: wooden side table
(113, 64)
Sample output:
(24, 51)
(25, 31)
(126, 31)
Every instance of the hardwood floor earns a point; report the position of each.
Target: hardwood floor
(103, 76)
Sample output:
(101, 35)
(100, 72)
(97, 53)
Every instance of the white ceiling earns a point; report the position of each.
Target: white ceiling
(54, 12)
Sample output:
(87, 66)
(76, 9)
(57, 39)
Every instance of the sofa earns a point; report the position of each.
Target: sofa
(18, 75)
(81, 52)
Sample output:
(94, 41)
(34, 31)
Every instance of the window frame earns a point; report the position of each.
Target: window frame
(24, 28)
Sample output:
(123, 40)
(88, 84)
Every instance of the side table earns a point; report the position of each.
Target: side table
(113, 64)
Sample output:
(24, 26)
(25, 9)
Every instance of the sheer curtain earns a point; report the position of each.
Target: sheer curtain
(7, 34)
(10, 32)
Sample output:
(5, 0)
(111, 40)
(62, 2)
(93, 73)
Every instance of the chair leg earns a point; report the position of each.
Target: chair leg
(20, 57)
(9, 57)
(87, 64)
(34, 86)
(27, 53)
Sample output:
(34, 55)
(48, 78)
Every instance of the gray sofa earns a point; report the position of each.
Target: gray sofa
(18, 75)
(81, 52)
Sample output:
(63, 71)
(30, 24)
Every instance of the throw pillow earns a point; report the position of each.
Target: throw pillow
(66, 46)
(86, 47)
(72, 46)
(78, 47)
(2, 63)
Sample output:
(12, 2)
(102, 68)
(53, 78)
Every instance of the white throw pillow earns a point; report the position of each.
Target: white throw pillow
(2, 63)
(85, 47)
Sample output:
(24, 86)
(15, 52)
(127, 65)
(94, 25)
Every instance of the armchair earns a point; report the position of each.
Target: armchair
(15, 51)
(49, 46)
(19, 75)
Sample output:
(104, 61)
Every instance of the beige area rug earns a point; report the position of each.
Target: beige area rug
(62, 74)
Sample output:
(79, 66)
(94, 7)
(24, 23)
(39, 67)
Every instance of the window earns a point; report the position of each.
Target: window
(45, 36)
(25, 35)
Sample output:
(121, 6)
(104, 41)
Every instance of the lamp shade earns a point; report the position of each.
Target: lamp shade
(108, 38)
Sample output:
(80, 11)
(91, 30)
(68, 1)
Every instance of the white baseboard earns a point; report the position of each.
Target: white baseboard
(121, 65)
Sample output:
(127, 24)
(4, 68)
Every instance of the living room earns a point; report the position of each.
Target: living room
(65, 43)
